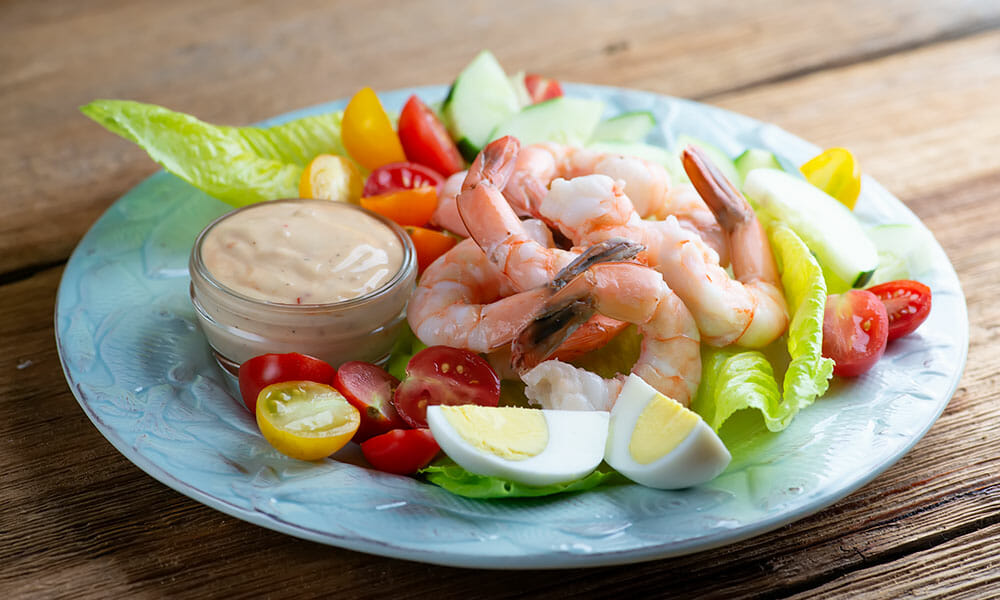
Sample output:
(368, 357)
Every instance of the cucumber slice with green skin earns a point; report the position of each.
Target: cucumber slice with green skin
(719, 158)
(828, 227)
(754, 158)
(904, 252)
(626, 127)
(481, 98)
(654, 154)
(564, 120)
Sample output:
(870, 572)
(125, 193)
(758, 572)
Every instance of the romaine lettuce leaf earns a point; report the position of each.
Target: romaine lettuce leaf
(734, 380)
(445, 473)
(403, 349)
(808, 374)
(238, 165)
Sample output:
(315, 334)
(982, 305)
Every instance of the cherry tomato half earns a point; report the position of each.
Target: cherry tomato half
(305, 420)
(425, 139)
(444, 375)
(907, 302)
(541, 88)
(855, 330)
(835, 172)
(400, 176)
(261, 371)
(367, 132)
(369, 389)
(429, 245)
(406, 207)
(401, 451)
(330, 177)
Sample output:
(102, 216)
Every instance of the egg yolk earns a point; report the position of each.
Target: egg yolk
(661, 427)
(508, 432)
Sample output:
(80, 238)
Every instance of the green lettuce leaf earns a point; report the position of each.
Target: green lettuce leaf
(403, 349)
(238, 165)
(735, 380)
(808, 374)
(445, 473)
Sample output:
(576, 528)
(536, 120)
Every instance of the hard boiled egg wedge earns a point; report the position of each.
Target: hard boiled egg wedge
(529, 446)
(655, 441)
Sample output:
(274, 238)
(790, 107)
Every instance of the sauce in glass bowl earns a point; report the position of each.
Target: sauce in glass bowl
(322, 278)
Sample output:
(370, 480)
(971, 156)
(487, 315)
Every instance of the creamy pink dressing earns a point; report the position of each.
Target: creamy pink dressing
(302, 253)
(321, 278)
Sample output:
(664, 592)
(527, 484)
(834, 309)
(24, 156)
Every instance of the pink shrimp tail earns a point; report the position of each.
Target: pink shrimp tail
(495, 164)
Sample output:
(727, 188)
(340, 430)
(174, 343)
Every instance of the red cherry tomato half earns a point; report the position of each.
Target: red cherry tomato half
(541, 88)
(855, 330)
(369, 389)
(261, 371)
(401, 451)
(400, 176)
(425, 139)
(444, 375)
(907, 302)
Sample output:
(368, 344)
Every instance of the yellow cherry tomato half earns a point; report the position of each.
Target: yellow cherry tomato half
(367, 132)
(305, 420)
(835, 172)
(331, 177)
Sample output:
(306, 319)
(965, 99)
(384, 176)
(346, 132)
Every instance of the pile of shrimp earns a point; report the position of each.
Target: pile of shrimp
(635, 248)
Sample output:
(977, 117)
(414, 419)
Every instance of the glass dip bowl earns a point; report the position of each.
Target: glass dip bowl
(239, 326)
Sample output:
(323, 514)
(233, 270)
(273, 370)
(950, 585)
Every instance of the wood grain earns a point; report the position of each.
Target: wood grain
(909, 86)
(262, 59)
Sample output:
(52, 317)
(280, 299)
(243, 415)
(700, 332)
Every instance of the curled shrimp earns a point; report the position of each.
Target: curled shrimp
(446, 214)
(748, 310)
(460, 302)
(463, 301)
(670, 359)
(511, 248)
(649, 186)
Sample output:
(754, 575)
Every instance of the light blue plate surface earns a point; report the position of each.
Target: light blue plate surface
(140, 368)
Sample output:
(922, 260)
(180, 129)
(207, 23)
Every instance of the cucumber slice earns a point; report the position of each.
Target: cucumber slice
(654, 154)
(626, 127)
(754, 158)
(480, 99)
(904, 252)
(718, 157)
(563, 120)
(832, 233)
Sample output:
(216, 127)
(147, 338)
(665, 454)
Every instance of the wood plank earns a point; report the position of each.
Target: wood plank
(263, 59)
(966, 567)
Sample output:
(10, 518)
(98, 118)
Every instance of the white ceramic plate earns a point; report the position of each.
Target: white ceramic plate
(140, 368)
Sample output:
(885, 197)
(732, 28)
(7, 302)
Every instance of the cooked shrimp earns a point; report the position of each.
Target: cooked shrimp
(670, 359)
(749, 310)
(648, 185)
(491, 221)
(511, 247)
(446, 214)
(460, 302)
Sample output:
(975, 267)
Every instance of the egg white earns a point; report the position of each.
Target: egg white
(575, 447)
(699, 457)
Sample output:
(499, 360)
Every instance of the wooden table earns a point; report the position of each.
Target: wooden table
(911, 87)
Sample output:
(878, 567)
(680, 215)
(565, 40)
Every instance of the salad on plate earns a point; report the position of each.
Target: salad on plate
(590, 309)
